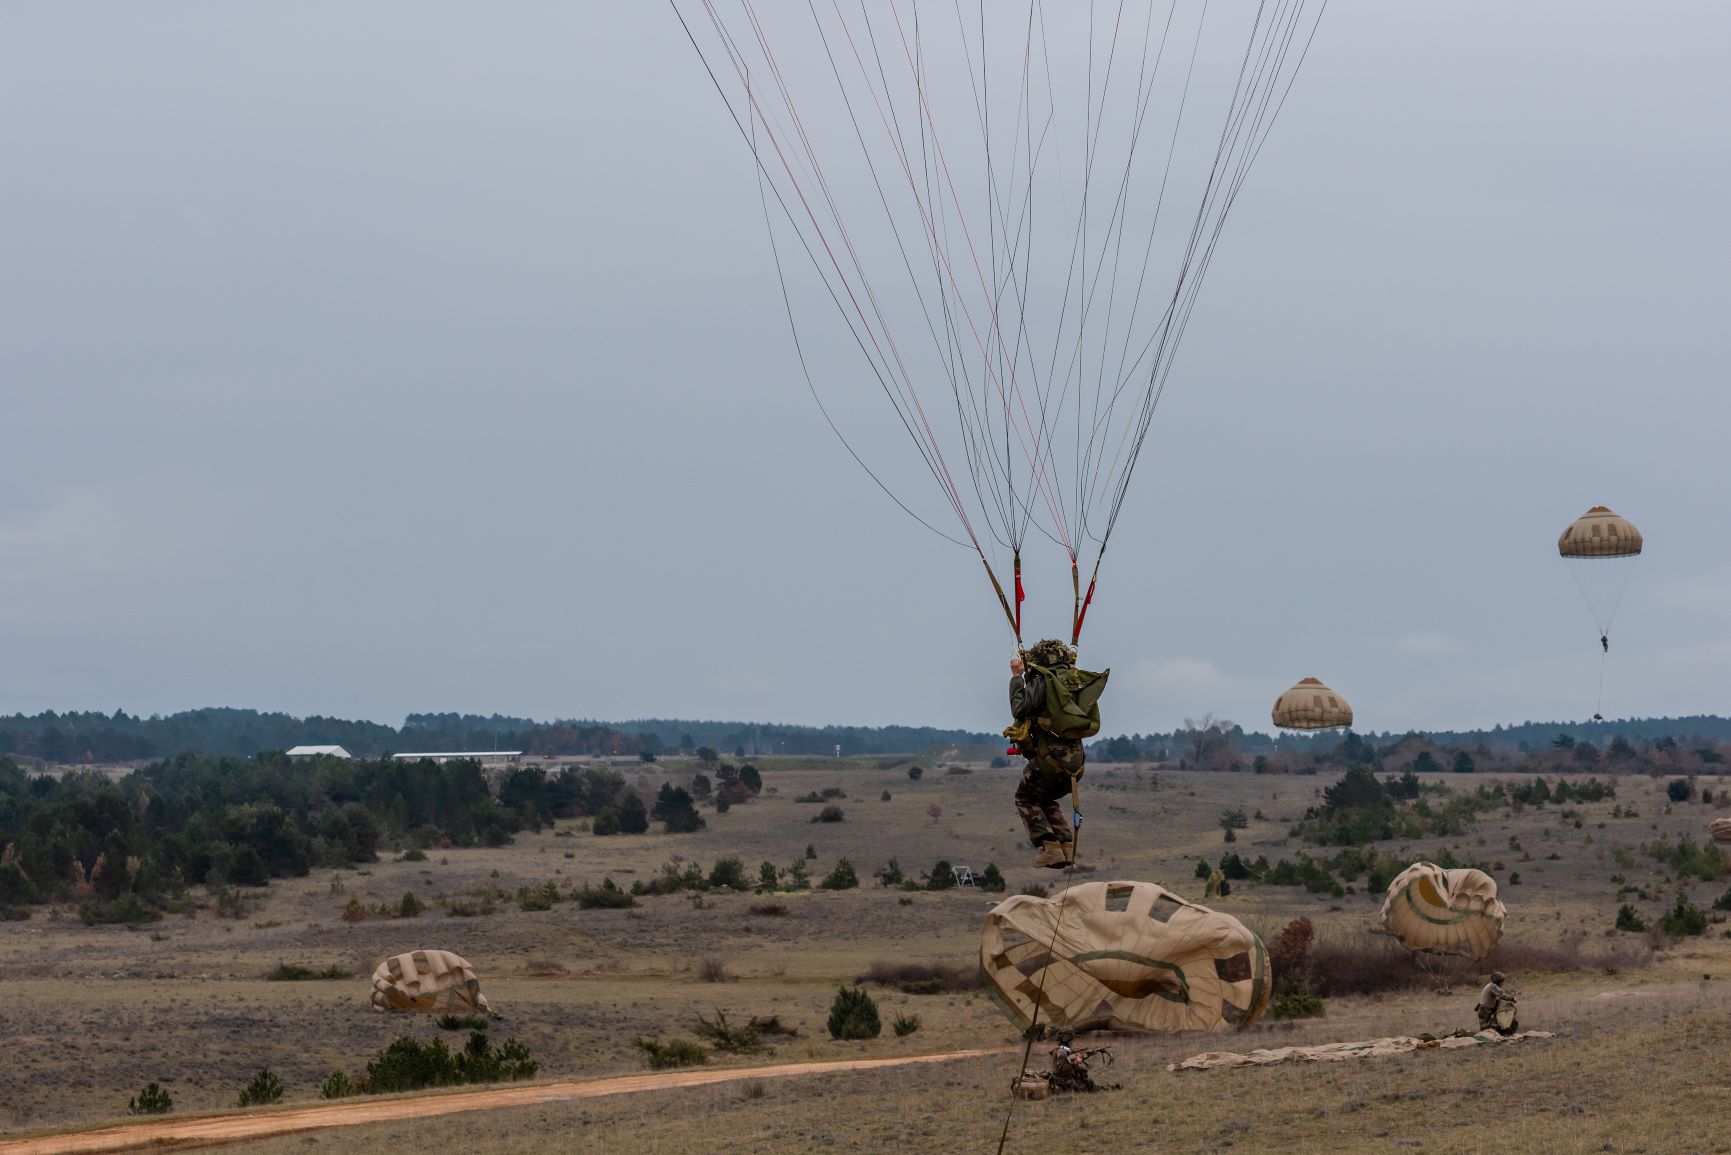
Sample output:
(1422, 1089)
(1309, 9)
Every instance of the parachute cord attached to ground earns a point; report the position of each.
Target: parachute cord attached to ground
(1057, 925)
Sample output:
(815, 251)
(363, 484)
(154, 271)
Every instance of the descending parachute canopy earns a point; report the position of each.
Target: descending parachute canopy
(1601, 548)
(1310, 705)
(1011, 207)
(1600, 533)
(1721, 829)
(1444, 911)
(1123, 956)
(427, 980)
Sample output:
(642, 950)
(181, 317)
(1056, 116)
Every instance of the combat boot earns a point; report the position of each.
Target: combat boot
(1053, 854)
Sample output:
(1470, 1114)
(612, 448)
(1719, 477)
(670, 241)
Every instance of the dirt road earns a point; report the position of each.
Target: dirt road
(209, 1130)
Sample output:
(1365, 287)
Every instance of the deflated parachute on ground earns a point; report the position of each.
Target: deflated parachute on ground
(1123, 956)
(1444, 911)
(428, 980)
(1310, 705)
(1721, 829)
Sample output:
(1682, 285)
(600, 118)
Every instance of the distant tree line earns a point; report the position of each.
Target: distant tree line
(1223, 746)
(1203, 743)
(124, 848)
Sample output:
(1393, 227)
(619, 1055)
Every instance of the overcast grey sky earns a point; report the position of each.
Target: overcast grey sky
(369, 358)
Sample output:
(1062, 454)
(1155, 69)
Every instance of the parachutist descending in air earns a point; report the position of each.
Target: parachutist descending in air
(1605, 643)
(1055, 706)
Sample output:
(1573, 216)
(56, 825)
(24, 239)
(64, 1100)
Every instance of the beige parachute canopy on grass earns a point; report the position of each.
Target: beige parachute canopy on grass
(1721, 829)
(1600, 533)
(1444, 911)
(1339, 1052)
(1122, 956)
(1310, 705)
(427, 980)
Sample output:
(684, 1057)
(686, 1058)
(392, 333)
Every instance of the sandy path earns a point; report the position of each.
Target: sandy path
(213, 1129)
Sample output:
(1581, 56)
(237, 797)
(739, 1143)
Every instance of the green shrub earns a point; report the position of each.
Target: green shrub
(538, 898)
(607, 896)
(410, 907)
(264, 1088)
(1203, 870)
(338, 1086)
(891, 874)
(1628, 918)
(728, 872)
(675, 1053)
(606, 822)
(841, 878)
(1684, 919)
(1723, 902)
(724, 1037)
(414, 854)
(853, 1015)
(461, 1022)
(153, 1100)
(293, 973)
(407, 1065)
(942, 876)
(992, 879)
(904, 1025)
(830, 814)
(1296, 1004)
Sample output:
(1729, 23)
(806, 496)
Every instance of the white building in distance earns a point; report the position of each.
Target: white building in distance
(319, 752)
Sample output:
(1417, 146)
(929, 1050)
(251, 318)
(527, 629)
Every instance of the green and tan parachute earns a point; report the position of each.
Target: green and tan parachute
(1440, 911)
(1721, 829)
(1310, 705)
(428, 980)
(1122, 956)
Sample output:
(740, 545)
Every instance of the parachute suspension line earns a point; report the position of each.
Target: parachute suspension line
(1260, 92)
(1599, 706)
(1052, 945)
(750, 137)
(1013, 616)
(935, 459)
(1037, 458)
(946, 344)
(1082, 613)
(1038, 466)
(805, 368)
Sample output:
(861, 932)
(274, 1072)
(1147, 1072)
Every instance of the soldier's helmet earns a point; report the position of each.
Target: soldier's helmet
(1497, 977)
(1051, 653)
(1066, 1035)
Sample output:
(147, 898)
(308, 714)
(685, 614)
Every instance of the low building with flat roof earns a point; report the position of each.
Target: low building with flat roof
(319, 752)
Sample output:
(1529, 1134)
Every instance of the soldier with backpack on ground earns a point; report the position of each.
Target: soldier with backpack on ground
(1055, 706)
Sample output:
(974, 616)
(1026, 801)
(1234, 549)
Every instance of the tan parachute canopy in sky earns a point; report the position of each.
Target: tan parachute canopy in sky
(1123, 956)
(1444, 911)
(1721, 829)
(1600, 533)
(427, 980)
(1310, 705)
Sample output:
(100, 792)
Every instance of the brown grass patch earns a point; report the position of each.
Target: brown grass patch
(923, 978)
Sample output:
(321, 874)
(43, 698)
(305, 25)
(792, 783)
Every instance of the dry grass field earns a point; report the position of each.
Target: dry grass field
(1640, 1062)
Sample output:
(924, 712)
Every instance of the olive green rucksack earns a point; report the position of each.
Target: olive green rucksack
(1072, 701)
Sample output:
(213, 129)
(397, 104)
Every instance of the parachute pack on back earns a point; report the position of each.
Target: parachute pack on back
(1072, 700)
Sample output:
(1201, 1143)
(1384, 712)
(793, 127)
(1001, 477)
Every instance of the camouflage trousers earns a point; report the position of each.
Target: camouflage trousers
(1046, 782)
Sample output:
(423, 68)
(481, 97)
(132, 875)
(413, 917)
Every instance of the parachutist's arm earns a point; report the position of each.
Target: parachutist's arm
(1027, 696)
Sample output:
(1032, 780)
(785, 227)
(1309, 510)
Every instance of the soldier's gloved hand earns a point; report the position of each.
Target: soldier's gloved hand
(1017, 667)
